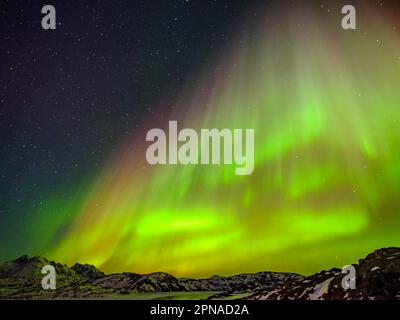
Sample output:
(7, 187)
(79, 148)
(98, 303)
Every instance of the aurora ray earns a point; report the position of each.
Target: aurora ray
(324, 104)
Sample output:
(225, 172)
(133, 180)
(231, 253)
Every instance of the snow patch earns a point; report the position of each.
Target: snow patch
(268, 295)
(320, 290)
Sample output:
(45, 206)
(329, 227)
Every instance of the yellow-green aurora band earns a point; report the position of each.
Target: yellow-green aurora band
(325, 106)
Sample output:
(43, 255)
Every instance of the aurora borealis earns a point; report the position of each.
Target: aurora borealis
(324, 104)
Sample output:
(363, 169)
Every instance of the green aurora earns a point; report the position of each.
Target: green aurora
(324, 103)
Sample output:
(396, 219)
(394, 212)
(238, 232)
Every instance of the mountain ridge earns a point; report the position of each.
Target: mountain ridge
(21, 279)
(377, 278)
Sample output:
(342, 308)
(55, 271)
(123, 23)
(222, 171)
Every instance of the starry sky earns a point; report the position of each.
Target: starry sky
(69, 96)
(76, 103)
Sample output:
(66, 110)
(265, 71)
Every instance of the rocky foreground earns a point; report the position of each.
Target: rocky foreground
(21, 279)
(378, 278)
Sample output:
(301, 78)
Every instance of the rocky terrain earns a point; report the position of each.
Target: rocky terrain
(21, 279)
(377, 278)
(245, 282)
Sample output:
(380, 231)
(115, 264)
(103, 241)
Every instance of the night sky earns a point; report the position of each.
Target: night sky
(70, 95)
(76, 102)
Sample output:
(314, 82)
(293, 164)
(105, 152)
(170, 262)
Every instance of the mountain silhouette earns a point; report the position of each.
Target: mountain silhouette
(377, 278)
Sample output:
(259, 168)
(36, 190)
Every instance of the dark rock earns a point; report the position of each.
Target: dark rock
(377, 278)
(87, 271)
